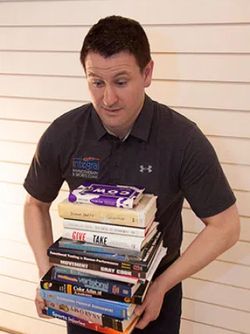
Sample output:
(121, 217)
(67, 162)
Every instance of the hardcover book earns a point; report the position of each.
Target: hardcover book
(140, 216)
(109, 239)
(108, 228)
(104, 267)
(112, 260)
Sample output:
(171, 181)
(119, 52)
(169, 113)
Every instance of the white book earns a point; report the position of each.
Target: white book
(109, 239)
(161, 252)
(108, 228)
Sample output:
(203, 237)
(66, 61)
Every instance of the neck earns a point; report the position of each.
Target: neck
(122, 135)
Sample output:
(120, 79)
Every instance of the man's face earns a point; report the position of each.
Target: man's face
(117, 85)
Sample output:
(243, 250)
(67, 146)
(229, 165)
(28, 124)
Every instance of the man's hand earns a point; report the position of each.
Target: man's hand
(40, 305)
(151, 306)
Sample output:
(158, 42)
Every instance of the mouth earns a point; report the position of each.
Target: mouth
(112, 110)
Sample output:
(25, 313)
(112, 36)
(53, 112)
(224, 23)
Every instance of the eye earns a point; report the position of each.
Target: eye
(121, 82)
(97, 83)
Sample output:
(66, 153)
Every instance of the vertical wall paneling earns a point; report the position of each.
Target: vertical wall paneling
(201, 53)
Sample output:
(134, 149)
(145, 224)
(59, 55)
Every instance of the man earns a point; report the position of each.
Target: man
(124, 137)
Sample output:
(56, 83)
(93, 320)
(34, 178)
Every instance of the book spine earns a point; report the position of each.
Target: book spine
(81, 291)
(79, 322)
(89, 247)
(100, 274)
(97, 267)
(69, 283)
(109, 261)
(104, 239)
(104, 228)
(94, 317)
(76, 211)
(83, 262)
(114, 309)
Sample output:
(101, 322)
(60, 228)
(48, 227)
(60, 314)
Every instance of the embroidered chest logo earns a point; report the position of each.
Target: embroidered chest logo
(86, 167)
(146, 169)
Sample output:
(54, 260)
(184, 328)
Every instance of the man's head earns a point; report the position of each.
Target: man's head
(115, 34)
(118, 68)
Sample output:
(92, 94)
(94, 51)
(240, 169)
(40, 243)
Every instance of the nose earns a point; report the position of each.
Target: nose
(109, 96)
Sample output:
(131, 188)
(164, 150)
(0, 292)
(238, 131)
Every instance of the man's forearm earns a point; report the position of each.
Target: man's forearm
(39, 232)
(221, 232)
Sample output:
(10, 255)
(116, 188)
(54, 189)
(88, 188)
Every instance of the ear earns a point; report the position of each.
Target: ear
(148, 72)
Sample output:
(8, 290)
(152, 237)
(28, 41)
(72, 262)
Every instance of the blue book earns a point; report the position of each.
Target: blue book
(91, 325)
(104, 306)
(73, 276)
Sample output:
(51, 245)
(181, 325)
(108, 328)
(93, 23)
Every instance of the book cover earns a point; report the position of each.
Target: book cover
(104, 306)
(139, 216)
(90, 325)
(108, 195)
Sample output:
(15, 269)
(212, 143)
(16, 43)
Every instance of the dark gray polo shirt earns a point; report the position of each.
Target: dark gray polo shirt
(165, 152)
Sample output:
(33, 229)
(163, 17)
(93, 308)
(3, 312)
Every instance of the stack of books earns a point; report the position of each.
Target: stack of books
(105, 259)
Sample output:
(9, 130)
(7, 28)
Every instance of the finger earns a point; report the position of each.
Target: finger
(143, 322)
(40, 306)
(139, 310)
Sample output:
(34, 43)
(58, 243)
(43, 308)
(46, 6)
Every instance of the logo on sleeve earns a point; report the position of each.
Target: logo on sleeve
(86, 167)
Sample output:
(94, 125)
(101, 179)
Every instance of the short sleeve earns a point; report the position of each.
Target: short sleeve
(44, 178)
(202, 179)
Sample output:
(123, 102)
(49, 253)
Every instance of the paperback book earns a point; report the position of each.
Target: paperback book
(103, 306)
(49, 283)
(90, 325)
(90, 282)
(94, 317)
(108, 195)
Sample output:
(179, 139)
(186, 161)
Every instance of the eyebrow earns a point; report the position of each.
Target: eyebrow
(92, 74)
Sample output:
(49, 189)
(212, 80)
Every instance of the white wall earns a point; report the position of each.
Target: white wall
(202, 69)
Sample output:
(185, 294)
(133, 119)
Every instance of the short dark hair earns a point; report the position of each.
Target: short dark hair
(115, 34)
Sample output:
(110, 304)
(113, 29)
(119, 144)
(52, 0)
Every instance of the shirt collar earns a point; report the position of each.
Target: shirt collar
(97, 124)
(141, 127)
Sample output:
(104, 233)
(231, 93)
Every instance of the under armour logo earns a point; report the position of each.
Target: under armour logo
(148, 169)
